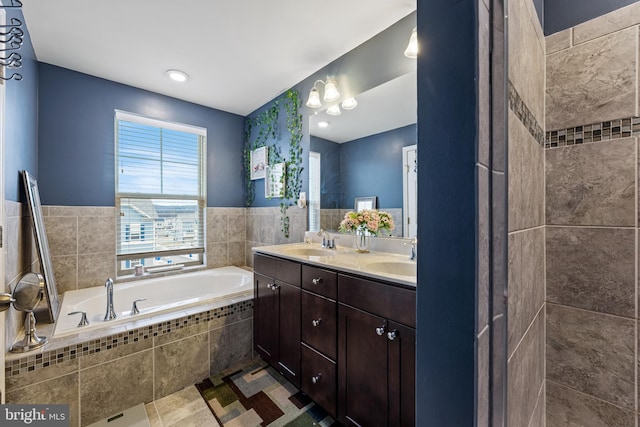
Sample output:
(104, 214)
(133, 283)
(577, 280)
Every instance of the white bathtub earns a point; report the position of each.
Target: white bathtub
(163, 295)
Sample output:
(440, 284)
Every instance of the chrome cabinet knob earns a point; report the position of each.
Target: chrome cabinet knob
(273, 286)
(392, 335)
(316, 322)
(380, 330)
(316, 378)
(317, 281)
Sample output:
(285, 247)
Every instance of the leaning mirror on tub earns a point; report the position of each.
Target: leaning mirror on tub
(40, 236)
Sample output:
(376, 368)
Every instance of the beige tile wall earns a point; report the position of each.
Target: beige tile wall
(20, 257)
(591, 236)
(526, 251)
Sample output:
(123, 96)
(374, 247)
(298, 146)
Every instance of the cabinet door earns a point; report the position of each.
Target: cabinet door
(265, 318)
(402, 374)
(362, 368)
(289, 333)
(319, 323)
(319, 379)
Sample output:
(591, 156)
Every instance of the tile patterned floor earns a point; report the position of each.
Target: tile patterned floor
(184, 408)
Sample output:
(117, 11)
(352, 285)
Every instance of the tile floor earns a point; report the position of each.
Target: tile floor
(184, 408)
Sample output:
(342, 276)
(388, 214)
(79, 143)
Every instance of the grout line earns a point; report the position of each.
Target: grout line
(575, 390)
(585, 310)
(526, 332)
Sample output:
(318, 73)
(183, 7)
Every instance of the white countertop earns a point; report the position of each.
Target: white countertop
(386, 266)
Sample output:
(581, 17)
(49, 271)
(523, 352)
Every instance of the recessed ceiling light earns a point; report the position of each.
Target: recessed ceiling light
(177, 75)
(323, 124)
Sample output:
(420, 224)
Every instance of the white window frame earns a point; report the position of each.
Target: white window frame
(121, 258)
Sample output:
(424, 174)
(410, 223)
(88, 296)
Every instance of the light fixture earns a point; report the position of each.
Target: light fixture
(349, 103)
(314, 98)
(331, 93)
(177, 75)
(334, 110)
(323, 124)
(412, 49)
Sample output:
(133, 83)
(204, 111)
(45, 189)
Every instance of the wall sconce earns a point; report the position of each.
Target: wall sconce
(330, 93)
(412, 49)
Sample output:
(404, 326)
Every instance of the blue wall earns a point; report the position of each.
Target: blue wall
(447, 136)
(369, 166)
(330, 183)
(21, 130)
(76, 138)
(372, 166)
(562, 14)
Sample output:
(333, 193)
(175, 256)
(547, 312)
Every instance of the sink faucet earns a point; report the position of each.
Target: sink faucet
(111, 313)
(414, 245)
(327, 243)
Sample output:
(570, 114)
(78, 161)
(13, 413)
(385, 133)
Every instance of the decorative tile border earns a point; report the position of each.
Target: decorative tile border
(42, 360)
(522, 112)
(594, 132)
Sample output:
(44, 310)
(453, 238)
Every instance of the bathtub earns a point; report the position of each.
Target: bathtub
(163, 295)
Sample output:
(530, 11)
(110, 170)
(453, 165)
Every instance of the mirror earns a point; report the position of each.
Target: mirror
(360, 153)
(37, 222)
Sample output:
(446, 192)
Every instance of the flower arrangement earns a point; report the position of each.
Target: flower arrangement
(370, 220)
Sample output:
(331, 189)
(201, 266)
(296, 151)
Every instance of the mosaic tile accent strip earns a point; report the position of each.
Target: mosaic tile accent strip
(594, 132)
(522, 112)
(43, 360)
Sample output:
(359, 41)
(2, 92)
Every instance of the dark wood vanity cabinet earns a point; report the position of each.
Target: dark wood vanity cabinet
(319, 336)
(277, 314)
(347, 342)
(376, 353)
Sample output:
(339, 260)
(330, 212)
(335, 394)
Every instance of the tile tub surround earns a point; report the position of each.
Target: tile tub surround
(20, 257)
(101, 376)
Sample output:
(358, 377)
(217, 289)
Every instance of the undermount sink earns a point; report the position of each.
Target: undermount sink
(393, 267)
(308, 252)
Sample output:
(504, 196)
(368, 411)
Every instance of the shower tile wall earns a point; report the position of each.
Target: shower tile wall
(591, 217)
(526, 306)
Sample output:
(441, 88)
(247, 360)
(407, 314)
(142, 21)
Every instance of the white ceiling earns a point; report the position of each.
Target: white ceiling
(239, 54)
(391, 105)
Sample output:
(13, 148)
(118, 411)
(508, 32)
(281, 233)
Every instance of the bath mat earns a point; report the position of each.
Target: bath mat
(257, 395)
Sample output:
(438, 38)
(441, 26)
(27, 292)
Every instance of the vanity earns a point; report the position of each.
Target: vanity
(340, 325)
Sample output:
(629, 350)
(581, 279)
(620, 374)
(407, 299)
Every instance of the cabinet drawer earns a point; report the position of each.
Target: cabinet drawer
(378, 298)
(322, 282)
(281, 269)
(319, 323)
(319, 379)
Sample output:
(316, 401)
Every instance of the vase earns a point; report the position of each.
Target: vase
(362, 241)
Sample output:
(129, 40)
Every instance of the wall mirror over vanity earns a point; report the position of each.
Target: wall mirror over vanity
(367, 150)
(340, 323)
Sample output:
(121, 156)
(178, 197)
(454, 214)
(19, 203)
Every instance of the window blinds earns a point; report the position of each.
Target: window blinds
(160, 188)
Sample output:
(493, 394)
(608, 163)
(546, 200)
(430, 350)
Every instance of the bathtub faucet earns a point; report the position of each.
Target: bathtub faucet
(111, 313)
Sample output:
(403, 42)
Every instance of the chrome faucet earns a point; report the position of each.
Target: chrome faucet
(111, 313)
(414, 245)
(327, 243)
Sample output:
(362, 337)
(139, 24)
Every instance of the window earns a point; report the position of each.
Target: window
(314, 191)
(160, 192)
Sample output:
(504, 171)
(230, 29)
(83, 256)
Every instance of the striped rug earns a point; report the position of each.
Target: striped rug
(257, 395)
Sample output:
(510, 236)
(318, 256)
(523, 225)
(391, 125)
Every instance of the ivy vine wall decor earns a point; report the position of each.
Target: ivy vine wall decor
(263, 131)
